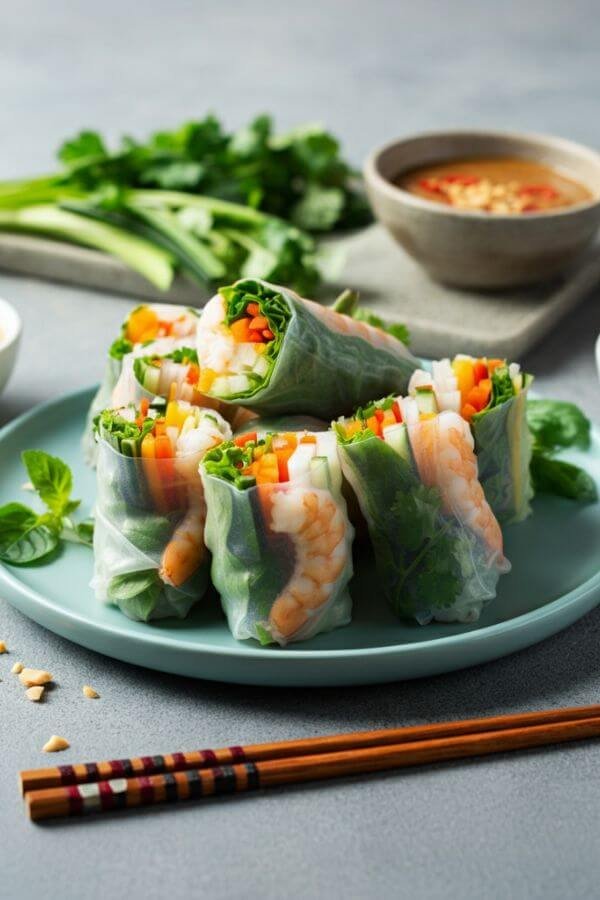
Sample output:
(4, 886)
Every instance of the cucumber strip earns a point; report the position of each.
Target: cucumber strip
(150, 261)
(189, 250)
(152, 199)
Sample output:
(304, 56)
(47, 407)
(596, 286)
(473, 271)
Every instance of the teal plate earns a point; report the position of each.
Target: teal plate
(555, 579)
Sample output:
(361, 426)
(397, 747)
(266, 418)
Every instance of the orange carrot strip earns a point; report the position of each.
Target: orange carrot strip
(151, 472)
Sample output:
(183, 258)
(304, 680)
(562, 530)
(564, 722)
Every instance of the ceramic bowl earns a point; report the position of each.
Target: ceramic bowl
(10, 334)
(479, 249)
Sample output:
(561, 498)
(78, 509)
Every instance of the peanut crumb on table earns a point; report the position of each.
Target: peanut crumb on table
(55, 744)
(34, 693)
(3, 648)
(17, 668)
(90, 692)
(33, 677)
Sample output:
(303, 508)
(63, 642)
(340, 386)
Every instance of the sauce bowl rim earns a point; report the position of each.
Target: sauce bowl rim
(372, 174)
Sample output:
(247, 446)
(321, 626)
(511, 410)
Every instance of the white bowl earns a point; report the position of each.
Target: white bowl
(598, 355)
(10, 334)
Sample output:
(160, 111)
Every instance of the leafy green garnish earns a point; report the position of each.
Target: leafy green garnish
(218, 205)
(27, 536)
(52, 479)
(556, 424)
(555, 476)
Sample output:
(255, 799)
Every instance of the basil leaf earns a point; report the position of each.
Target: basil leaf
(24, 538)
(136, 593)
(52, 479)
(555, 476)
(556, 424)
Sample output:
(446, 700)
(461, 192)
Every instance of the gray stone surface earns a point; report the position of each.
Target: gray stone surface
(523, 827)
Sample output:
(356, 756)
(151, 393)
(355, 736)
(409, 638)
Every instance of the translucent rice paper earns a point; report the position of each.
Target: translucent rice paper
(103, 399)
(263, 425)
(431, 564)
(503, 444)
(142, 532)
(257, 563)
(328, 363)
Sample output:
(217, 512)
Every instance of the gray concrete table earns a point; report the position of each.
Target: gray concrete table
(521, 826)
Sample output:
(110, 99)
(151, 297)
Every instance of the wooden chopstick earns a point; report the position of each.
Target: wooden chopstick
(86, 773)
(171, 787)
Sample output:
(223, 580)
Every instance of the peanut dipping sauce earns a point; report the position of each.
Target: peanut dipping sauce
(496, 185)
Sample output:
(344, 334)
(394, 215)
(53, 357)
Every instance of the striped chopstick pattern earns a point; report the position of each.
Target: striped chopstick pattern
(82, 773)
(144, 790)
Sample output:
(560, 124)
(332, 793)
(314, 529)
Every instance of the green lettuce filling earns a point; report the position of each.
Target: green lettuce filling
(227, 462)
(273, 306)
(123, 435)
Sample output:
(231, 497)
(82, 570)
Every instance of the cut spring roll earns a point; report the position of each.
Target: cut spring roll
(261, 345)
(157, 328)
(150, 558)
(438, 547)
(491, 395)
(279, 534)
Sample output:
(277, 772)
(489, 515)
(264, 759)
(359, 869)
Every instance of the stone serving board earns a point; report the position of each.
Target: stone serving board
(442, 320)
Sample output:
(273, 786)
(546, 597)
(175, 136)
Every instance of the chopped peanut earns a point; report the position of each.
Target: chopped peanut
(34, 693)
(55, 743)
(3, 648)
(17, 668)
(31, 677)
(90, 692)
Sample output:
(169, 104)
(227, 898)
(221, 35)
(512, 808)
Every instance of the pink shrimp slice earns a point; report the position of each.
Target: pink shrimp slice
(443, 449)
(321, 536)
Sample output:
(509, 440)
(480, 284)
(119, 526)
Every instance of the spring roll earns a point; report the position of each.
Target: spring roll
(156, 328)
(263, 346)
(279, 534)
(150, 558)
(491, 395)
(438, 547)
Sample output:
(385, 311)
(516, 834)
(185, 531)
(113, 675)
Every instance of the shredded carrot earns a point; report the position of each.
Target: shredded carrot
(308, 439)
(252, 309)
(240, 330)
(244, 439)
(397, 411)
(259, 323)
(480, 371)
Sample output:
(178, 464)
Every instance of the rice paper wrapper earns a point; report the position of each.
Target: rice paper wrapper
(259, 566)
(328, 363)
(132, 537)
(263, 425)
(429, 563)
(100, 401)
(503, 445)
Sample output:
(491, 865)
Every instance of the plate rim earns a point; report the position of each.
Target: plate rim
(246, 651)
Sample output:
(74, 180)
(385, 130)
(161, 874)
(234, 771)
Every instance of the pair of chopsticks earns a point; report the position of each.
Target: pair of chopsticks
(122, 784)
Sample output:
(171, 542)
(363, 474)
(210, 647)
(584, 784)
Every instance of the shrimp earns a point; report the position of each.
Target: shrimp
(186, 551)
(444, 452)
(346, 325)
(321, 536)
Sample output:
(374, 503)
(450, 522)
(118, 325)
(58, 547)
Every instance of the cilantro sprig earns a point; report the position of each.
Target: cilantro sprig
(27, 536)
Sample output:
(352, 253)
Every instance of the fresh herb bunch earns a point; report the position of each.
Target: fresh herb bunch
(557, 425)
(216, 205)
(299, 176)
(27, 536)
